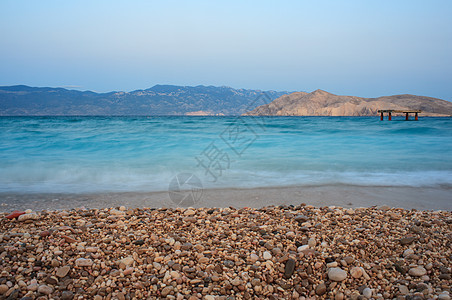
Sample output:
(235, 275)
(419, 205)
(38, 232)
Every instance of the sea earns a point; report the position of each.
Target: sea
(80, 155)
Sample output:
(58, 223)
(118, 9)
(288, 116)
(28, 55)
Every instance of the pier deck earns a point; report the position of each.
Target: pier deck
(406, 112)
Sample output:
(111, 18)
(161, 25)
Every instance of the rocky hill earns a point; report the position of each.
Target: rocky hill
(321, 103)
(23, 100)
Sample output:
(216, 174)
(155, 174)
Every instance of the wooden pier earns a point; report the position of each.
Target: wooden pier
(406, 112)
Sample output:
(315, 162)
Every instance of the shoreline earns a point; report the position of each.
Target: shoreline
(420, 198)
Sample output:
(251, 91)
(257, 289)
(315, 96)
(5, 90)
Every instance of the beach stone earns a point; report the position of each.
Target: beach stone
(337, 274)
(67, 295)
(408, 252)
(91, 249)
(167, 290)
(122, 208)
(15, 214)
(45, 289)
(228, 263)
(356, 272)
(189, 212)
(127, 261)
(116, 212)
(289, 268)
(83, 262)
(301, 218)
(407, 240)
(31, 216)
(444, 295)
(69, 239)
(128, 271)
(403, 289)
(44, 233)
(63, 271)
(367, 292)
(312, 242)
(320, 289)
(3, 289)
(418, 271)
(267, 255)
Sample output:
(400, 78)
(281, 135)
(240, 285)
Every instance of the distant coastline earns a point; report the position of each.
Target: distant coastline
(169, 100)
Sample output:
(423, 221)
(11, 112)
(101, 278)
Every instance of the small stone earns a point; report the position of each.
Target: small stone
(67, 295)
(45, 289)
(189, 212)
(15, 214)
(44, 233)
(4, 288)
(302, 248)
(312, 242)
(83, 262)
(69, 239)
(127, 261)
(407, 240)
(122, 208)
(418, 271)
(63, 271)
(444, 296)
(408, 252)
(367, 292)
(25, 217)
(267, 255)
(320, 289)
(356, 272)
(236, 282)
(403, 289)
(289, 268)
(301, 218)
(254, 257)
(91, 249)
(337, 274)
(116, 212)
(166, 290)
(339, 296)
(128, 271)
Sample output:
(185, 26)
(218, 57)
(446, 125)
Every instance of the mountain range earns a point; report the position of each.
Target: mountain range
(21, 100)
(322, 103)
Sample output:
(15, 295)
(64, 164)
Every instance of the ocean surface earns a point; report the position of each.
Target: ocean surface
(145, 154)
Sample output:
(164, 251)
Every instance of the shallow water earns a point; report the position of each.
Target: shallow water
(140, 154)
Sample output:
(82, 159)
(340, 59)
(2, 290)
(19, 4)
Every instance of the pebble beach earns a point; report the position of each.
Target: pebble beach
(283, 252)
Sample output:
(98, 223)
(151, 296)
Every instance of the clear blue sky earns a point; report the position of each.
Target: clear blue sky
(362, 48)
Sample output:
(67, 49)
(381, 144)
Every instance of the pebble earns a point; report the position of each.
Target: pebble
(145, 253)
(367, 292)
(320, 289)
(83, 262)
(267, 255)
(408, 252)
(407, 240)
(356, 272)
(30, 216)
(67, 295)
(3, 288)
(418, 271)
(45, 289)
(337, 274)
(63, 271)
(15, 214)
(289, 268)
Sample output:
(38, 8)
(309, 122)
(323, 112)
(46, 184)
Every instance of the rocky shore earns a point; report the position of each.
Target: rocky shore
(285, 252)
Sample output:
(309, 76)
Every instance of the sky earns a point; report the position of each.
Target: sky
(361, 48)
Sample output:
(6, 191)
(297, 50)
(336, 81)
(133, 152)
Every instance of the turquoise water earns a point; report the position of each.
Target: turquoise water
(110, 154)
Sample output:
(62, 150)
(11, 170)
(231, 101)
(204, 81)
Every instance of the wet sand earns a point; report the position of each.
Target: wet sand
(421, 198)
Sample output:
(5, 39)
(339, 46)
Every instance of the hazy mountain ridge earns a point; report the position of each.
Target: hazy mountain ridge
(158, 100)
(322, 103)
